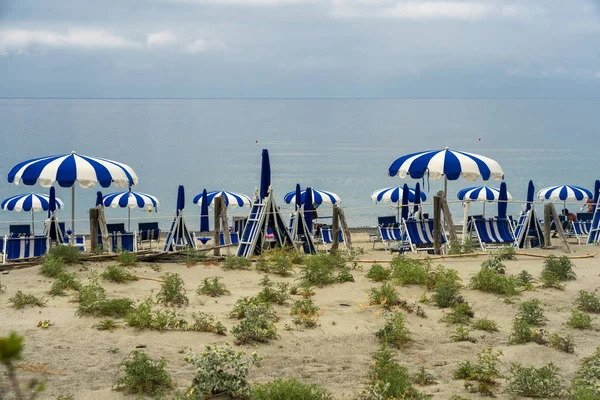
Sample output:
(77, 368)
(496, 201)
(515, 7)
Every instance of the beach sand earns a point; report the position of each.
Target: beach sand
(75, 358)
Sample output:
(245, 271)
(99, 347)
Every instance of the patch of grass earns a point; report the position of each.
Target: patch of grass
(394, 332)
(406, 270)
(506, 253)
(221, 371)
(141, 374)
(423, 378)
(344, 275)
(68, 254)
(212, 287)
(116, 308)
(532, 312)
(92, 301)
(561, 267)
(588, 301)
(117, 274)
(242, 304)
(127, 259)
(256, 326)
(106, 325)
(495, 264)
(461, 313)
(203, 322)
(232, 262)
(484, 324)
(488, 280)
(145, 317)
(172, 291)
(306, 313)
(543, 382)
(63, 282)
(278, 261)
(586, 384)
(385, 295)
(378, 273)
(273, 292)
(289, 389)
(388, 379)
(524, 278)
(523, 333)
(52, 267)
(579, 320)
(562, 343)
(22, 300)
(445, 294)
(191, 256)
(485, 371)
(461, 334)
(319, 270)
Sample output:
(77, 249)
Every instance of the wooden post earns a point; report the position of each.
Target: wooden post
(217, 203)
(335, 226)
(559, 229)
(345, 230)
(437, 224)
(225, 224)
(547, 225)
(466, 221)
(94, 229)
(448, 222)
(103, 228)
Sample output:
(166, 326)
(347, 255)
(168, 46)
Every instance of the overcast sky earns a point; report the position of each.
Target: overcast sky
(299, 48)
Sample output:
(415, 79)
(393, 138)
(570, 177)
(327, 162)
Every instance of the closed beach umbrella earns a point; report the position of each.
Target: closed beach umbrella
(318, 196)
(417, 197)
(99, 200)
(298, 198)
(180, 199)
(265, 174)
(129, 200)
(52, 201)
(450, 164)
(204, 213)
(565, 193)
(405, 202)
(70, 168)
(530, 195)
(308, 209)
(502, 201)
(231, 199)
(596, 193)
(31, 202)
(394, 195)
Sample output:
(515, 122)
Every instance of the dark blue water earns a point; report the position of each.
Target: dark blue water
(344, 146)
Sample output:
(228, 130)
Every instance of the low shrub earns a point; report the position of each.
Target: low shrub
(385, 295)
(116, 308)
(484, 324)
(495, 264)
(588, 301)
(543, 382)
(579, 320)
(52, 267)
(523, 333)
(212, 287)
(127, 259)
(117, 274)
(277, 261)
(92, 301)
(461, 313)
(141, 374)
(106, 325)
(378, 273)
(172, 291)
(388, 379)
(68, 254)
(289, 389)
(506, 253)
(344, 275)
(406, 270)
(221, 371)
(232, 262)
(524, 278)
(191, 256)
(394, 332)
(145, 317)
(485, 371)
(273, 292)
(488, 280)
(423, 378)
(531, 311)
(561, 267)
(22, 300)
(445, 294)
(586, 384)
(257, 325)
(319, 270)
(203, 322)
(64, 281)
(305, 313)
(461, 334)
(562, 343)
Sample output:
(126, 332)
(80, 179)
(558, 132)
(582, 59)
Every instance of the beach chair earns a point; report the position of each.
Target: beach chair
(23, 247)
(494, 232)
(19, 230)
(327, 236)
(394, 238)
(581, 229)
(118, 238)
(233, 236)
(420, 235)
(148, 232)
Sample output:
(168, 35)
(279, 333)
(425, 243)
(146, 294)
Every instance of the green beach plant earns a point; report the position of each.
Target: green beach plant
(232, 262)
(289, 389)
(588, 301)
(579, 320)
(394, 332)
(172, 291)
(532, 312)
(543, 382)
(117, 274)
(305, 313)
(141, 374)
(385, 295)
(212, 287)
(22, 300)
(378, 273)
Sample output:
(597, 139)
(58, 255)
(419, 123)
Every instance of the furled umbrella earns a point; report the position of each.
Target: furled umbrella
(530, 195)
(70, 168)
(204, 226)
(417, 201)
(129, 200)
(502, 201)
(596, 195)
(319, 197)
(30, 202)
(298, 198)
(231, 199)
(308, 209)
(265, 175)
(404, 211)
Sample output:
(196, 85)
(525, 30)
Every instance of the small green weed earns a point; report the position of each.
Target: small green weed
(172, 291)
(127, 259)
(543, 382)
(306, 313)
(586, 384)
(385, 295)
(145, 317)
(423, 378)
(289, 389)
(506, 253)
(461, 334)
(588, 301)
(485, 371)
(203, 322)
(532, 312)
(68, 254)
(484, 324)
(117, 274)
(579, 320)
(273, 292)
(141, 374)
(212, 287)
(106, 325)
(461, 313)
(277, 261)
(256, 326)
(488, 280)
(52, 267)
(395, 332)
(524, 278)
(562, 343)
(378, 273)
(318, 270)
(445, 294)
(22, 300)
(64, 281)
(523, 333)
(232, 262)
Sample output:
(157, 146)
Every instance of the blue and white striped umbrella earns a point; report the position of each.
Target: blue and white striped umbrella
(446, 163)
(394, 195)
(319, 197)
(131, 200)
(481, 193)
(29, 202)
(565, 193)
(231, 199)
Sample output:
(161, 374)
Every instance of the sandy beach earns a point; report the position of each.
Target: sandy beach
(75, 358)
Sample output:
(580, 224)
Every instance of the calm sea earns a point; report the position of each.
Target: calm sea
(344, 146)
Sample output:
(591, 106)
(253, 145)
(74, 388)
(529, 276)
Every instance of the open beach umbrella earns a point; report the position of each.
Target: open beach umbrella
(308, 208)
(70, 168)
(30, 202)
(565, 193)
(129, 200)
(231, 199)
(481, 193)
(265, 174)
(502, 201)
(204, 212)
(450, 164)
(298, 198)
(318, 196)
(405, 202)
(394, 195)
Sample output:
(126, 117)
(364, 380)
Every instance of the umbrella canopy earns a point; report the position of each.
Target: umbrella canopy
(130, 199)
(204, 212)
(231, 199)
(564, 193)
(308, 210)
(318, 197)
(30, 202)
(448, 163)
(70, 168)
(265, 174)
(502, 201)
(481, 193)
(394, 195)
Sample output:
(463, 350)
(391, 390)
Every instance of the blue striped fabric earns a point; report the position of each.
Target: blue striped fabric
(494, 231)
(394, 195)
(29, 202)
(565, 193)
(319, 197)
(231, 198)
(420, 232)
(481, 193)
(130, 199)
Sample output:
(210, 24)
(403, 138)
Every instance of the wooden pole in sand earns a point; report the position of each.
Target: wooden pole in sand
(437, 224)
(217, 203)
(559, 229)
(547, 225)
(94, 229)
(224, 224)
(335, 226)
(448, 222)
(466, 221)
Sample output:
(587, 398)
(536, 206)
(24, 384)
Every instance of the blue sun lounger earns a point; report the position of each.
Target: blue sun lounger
(22, 247)
(582, 230)
(420, 235)
(494, 232)
(327, 236)
(394, 238)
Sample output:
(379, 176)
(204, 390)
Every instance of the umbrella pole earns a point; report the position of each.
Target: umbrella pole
(484, 208)
(32, 223)
(446, 186)
(128, 218)
(73, 210)
(465, 221)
